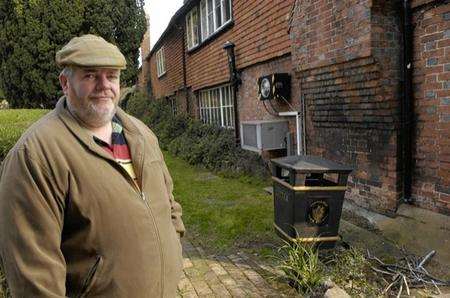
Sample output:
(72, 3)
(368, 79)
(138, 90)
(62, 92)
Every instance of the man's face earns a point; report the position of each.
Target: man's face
(92, 94)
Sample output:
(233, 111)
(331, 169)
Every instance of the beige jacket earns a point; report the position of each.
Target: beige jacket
(72, 223)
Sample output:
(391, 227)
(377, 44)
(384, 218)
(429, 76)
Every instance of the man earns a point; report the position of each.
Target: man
(86, 205)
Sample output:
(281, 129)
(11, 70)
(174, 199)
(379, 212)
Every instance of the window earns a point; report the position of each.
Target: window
(216, 106)
(160, 62)
(192, 28)
(212, 14)
(173, 105)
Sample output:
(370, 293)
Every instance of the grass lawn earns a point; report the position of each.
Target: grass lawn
(223, 213)
(12, 125)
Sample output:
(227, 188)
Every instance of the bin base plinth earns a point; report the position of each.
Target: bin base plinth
(326, 242)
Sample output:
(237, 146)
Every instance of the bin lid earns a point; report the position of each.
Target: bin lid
(311, 164)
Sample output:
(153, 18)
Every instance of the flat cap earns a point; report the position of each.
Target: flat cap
(90, 51)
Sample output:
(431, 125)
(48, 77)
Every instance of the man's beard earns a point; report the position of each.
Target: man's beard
(93, 115)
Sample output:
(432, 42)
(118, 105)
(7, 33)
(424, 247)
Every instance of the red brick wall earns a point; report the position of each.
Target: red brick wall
(346, 54)
(431, 153)
(259, 33)
(172, 80)
(347, 57)
(329, 32)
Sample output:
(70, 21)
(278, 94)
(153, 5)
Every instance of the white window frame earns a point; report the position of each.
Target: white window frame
(160, 62)
(192, 24)
(216, 106)
(204, 13)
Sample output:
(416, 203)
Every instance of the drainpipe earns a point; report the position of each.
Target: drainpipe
(184, 71)
(296, 114)
(406, 107)
(235, 82)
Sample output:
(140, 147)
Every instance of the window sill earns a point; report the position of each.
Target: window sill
(162, 75)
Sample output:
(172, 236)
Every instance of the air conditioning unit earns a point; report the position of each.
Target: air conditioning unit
(274, 86)
(262, 135)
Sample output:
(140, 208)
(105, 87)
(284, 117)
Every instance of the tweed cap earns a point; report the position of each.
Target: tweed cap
(90, 51)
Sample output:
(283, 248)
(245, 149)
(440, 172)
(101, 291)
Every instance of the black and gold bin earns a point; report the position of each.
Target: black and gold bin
(308, 195)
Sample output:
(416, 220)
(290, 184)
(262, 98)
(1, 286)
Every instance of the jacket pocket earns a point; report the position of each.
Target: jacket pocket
(91, 277)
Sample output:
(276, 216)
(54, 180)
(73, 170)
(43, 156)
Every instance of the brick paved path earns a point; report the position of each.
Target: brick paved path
(226, 276)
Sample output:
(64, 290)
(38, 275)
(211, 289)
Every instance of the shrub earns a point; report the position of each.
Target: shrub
(199, 144)
(136, 104)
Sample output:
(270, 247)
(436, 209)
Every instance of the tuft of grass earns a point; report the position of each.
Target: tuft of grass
(13, 123)
(351, 270)
(301, 264)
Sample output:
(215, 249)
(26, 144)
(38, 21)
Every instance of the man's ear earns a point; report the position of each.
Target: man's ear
(64, 81)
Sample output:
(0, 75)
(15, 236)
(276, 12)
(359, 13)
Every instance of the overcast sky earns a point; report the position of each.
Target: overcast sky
(160, 12)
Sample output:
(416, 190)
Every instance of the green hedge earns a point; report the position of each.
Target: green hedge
(199, 144)
(12, 124)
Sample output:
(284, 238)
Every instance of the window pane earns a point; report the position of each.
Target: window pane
(217, 98)
(213, 105)
(225, 95)
(163, 64)
(209, 107)
(231, 117)
(210, 13)
(188, 30)
(225, 117)
(194, 21)
(203, 19)
(218, 14)
(226, 10)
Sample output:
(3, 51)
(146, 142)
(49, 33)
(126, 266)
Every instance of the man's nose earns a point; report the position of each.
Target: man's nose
(103, 82)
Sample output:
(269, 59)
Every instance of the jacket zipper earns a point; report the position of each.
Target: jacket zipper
(149, 209)
(161, 252)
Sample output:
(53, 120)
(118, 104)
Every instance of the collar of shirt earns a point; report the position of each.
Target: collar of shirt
(117, 129)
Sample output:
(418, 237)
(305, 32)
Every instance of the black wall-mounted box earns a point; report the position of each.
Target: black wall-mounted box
(275, 86)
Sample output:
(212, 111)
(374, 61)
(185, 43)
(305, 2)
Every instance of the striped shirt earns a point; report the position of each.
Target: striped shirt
(119, 148)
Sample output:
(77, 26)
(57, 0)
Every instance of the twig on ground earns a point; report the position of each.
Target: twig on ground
(408, 271)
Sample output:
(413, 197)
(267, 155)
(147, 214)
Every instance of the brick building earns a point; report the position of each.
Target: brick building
(372, 78)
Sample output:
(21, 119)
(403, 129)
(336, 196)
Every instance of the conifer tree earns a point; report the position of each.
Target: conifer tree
(31, 31)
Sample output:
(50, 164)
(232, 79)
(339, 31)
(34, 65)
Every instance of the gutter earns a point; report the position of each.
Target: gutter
(406, 106)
